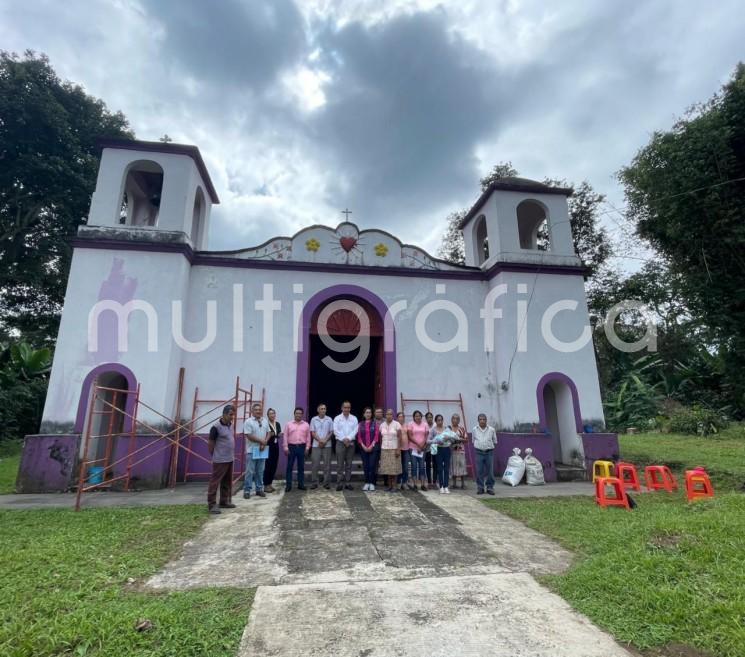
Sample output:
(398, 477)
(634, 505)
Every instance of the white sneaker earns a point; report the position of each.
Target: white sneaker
(372, 487)
(364, 487)
(447, 491)
(442, 490)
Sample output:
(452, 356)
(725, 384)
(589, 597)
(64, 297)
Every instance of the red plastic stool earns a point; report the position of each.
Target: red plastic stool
(659, 477)
(626, 472)
(619, 494)
(698, 484)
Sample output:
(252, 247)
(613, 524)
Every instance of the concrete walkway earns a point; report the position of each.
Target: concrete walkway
(196, 493)
(381, 574)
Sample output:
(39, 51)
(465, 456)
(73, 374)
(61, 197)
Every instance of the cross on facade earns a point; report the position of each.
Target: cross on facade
(346, 214)
(165, 139)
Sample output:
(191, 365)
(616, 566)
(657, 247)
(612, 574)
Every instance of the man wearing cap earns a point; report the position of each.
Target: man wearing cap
(221, 446)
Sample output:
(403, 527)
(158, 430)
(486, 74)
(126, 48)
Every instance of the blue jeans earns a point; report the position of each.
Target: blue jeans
(296, 453)
(417, 467)
(443, 466)
(369, 463)
(484, 468)
(405, 459)
(254, 474)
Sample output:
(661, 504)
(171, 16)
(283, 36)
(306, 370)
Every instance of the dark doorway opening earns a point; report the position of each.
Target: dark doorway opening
(360, 387)
(342, 320)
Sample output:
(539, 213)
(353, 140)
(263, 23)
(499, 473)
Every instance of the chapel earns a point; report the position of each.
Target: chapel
(158, 331)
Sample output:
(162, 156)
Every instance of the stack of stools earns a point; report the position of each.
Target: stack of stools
(698, 484)
(659, 477)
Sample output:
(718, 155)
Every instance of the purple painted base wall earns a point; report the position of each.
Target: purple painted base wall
(48, 463)
(540, 443)
(150, 459)
(600, 446)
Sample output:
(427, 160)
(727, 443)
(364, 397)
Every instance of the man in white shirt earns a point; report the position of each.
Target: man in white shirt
(322, 431)
(345, 430)
(484, 441)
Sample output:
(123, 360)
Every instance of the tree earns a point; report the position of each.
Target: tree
(24, 374)
(499, 171)
(452, 248)
(686, 196)
(48, 132)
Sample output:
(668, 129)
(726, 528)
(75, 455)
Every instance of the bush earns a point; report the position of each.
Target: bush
(21, 406)
(697, 420)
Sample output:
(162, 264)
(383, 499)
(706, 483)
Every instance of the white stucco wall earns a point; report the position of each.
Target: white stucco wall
(156, 278)
(162, 278)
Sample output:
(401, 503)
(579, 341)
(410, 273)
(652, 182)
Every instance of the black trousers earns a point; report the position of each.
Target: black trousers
(270, 469)
(430, 467)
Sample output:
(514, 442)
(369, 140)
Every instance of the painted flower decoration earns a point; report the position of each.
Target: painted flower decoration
(312, 244)
(381, 250)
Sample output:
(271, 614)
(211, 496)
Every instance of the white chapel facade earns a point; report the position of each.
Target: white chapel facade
(506, 334)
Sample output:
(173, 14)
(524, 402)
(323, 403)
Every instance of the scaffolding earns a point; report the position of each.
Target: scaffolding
(435, 405)
(111, 404)
(242, 401)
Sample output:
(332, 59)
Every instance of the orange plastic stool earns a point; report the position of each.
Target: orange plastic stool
(630, 481)
(698, 484)
(619, 494)
(659, 477)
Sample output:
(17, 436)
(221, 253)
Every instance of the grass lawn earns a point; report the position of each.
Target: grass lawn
(10, 457)
(668, 572)
(723, 455)
(65, 588)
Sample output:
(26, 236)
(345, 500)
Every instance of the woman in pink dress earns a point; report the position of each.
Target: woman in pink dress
(458, 466)
(418, 431)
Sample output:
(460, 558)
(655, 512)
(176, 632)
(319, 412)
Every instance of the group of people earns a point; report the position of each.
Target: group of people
(423, 453)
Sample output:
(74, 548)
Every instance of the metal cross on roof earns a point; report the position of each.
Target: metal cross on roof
(165, 139)
(346, 213)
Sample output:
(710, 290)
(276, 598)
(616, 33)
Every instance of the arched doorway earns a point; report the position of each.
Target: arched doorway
(559, 414)
(112, 413)
(329, 380)
(347, 316)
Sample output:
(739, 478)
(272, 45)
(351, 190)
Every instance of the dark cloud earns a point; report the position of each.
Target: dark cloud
(407, 103)
(231, 42)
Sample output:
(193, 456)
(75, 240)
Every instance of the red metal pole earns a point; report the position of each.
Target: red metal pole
(175, 447)
(191, 434)
(132, 434)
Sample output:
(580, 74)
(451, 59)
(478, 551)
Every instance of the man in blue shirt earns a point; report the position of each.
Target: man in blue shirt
(255, 429)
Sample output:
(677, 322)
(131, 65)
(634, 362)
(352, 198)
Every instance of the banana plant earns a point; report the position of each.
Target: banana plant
(21, 361)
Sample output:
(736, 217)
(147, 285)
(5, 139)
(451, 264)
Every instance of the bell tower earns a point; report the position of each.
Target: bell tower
(519, 221)
(153, 190)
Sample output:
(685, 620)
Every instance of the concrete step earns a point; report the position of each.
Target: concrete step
(566, 472)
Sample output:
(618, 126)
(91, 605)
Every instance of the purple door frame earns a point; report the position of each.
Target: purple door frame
(85, 394)
(545, 380)
(389, 340)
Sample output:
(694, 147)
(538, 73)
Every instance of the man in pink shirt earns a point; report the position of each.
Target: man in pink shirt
(297, 447)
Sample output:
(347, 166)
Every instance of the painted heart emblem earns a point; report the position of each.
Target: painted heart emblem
(347, 243)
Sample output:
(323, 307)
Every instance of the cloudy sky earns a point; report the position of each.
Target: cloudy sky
(391, 108)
